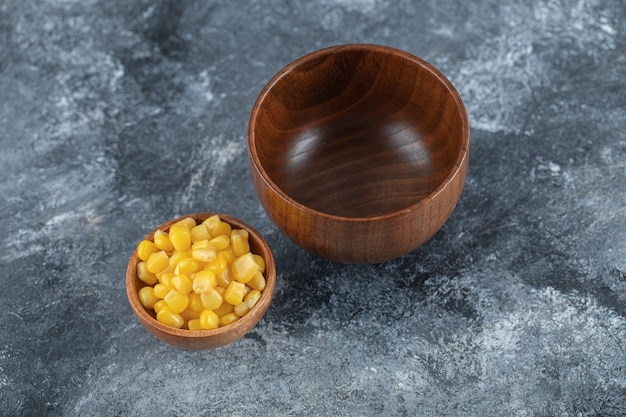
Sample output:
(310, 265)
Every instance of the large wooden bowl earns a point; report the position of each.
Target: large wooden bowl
(204, 339)
(359, 153)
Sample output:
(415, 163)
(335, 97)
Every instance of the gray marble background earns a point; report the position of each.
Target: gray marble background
(118, 115)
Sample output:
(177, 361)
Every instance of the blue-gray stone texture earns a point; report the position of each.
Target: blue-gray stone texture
(116, 116)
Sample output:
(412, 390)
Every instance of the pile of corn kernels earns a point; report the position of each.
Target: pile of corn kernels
(199, 275)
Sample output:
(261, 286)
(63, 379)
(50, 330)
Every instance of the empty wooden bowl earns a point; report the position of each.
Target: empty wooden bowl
(204, 339)
(359, 153)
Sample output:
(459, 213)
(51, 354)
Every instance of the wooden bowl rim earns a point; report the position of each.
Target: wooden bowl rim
(465, 128)
(248, 320)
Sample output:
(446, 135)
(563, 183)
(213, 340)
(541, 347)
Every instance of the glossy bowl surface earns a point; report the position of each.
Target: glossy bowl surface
(204, 339)
(359, 153)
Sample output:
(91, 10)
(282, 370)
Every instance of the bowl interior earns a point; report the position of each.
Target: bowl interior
(357, 132)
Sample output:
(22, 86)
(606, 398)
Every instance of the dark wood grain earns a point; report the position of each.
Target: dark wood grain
(359, 152)
(204, 339)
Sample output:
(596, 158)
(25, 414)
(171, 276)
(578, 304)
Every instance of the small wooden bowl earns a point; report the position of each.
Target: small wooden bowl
(204, 339)
(359, 153)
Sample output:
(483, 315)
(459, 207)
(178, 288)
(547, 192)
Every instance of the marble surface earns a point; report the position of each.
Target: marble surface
(118, 115)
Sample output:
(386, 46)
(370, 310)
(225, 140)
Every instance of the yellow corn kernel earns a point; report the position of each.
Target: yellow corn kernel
(225, 308)
(220, 242)
(158, 306)
(157, 262)
(244, 268)
(211, 299)
(257, 282)
(180, 238)
(252, 298)
(147, 297)
(217, 227)
(170, 318)
(203, 280)
(234, 293)
(241, 309)
(189, 314)
(217, 265)
(239, 242)
(161, 290)
(145, 275)
(168, 271)
(177, 257)
(176, 301)
(227, 254)
(182, 283)
(209, 320)
(162, 241)
(194, 324)
(203, 251)
(187, 222)
(260, 262)
(195, 302)
(145, 249)
(187, 266)
(165, 278)
(223, 279)
(229, 318)
(199, 232)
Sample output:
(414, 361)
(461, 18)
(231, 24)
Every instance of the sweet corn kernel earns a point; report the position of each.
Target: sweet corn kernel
(177, 257)
(194, 324)
(145, 249)
(239, 242)
(170, 318)
(165, 278)
(252, 298)
(200, 232)
(234, 293)
(176, 301)
(187, 266)
(225, 308)
(220, 242)
(195, 302)
(218, 265)
(147, 297)
(161, 290)
(162, 241)
(204, 251)
(223, 279)
(241, 309)
(180, 238)
(203, 280)
(216, 226)
(257, 282)
(187, 222)
(244, 268)
(145, 275)
(158, 306)
(168, 272)
(157, 262)
(260, 262)
(189, 314)
(182, 284)
(229, 318)
(227, 254)
(211, 299)
(209, 320)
